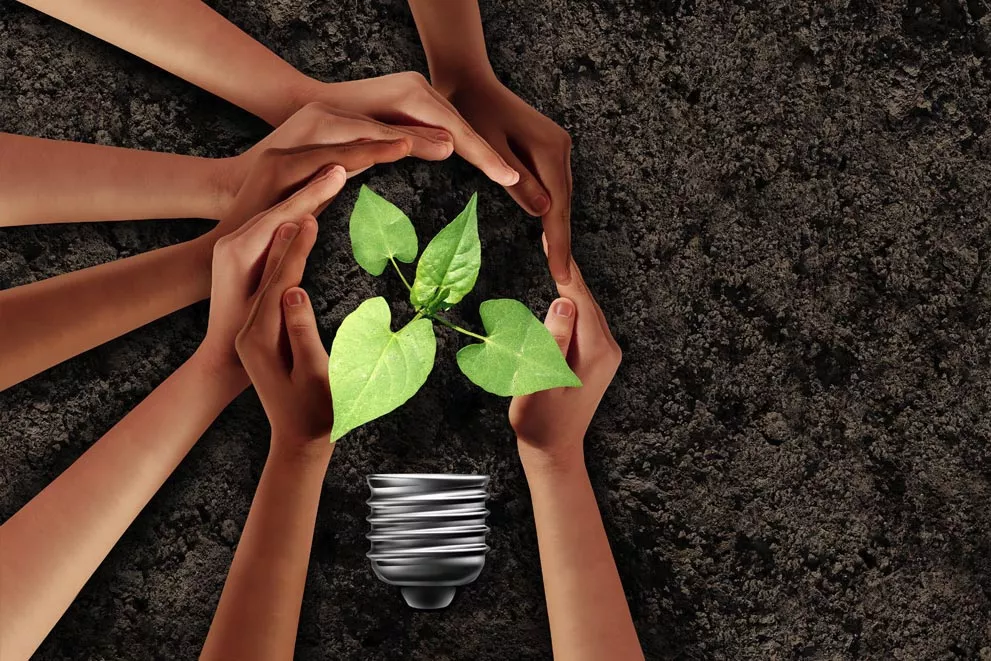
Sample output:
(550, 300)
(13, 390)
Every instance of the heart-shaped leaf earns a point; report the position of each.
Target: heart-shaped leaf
(518, 357)
(374, 370)
(380, 231)
(449, 262)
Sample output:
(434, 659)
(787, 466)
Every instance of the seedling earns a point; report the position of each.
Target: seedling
(374, 370)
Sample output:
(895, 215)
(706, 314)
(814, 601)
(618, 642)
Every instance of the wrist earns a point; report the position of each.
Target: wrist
(541, 462)
(226, 177)
(213, 365)
(450, 77)
(301, 453)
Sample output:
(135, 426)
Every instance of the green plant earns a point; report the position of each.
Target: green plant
(374, 370)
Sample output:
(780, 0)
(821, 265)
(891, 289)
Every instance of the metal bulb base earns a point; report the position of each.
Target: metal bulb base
(427, 534)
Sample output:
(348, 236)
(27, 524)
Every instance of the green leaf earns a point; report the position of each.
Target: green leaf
(518, 357)
(449, 262)
(380, 231)
(374, 370)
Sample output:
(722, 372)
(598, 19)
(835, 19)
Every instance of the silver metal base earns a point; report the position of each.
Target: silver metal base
(427, 533)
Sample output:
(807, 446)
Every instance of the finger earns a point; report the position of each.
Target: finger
(528, 192)
(341, 125)
(591, 320)
(328, 182)
(284, 235)
(560, 321)
(435, 110)
(308, 353)
(552, 169)
(264, 321)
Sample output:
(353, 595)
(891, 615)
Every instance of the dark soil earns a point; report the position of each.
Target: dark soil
(785, 210)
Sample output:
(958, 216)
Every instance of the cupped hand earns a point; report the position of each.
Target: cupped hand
(280, 348)
(244, 260)
(407, 99)
(535, 146)
(550, 425)
(278, 172)
(317, 123)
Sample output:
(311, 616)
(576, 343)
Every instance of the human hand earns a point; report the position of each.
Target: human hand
(318, 124)
(248, 257)
(408, 99)
(550, 425)
(534, 145)
(280, 348)
(276, 173)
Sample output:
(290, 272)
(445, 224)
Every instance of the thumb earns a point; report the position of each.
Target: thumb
(301, 326)
(560, 321)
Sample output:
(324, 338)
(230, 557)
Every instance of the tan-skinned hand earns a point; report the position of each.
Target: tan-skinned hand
(407, 99)
(535, 146)
(280, 348)
(244, 260)
(550, 425)
(318, 124)
(278, 172)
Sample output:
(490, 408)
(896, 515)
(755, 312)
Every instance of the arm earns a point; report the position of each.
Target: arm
(588, 613)
(258, 613)
(532, 144)
(52, 545)
(190, 40)
(52, 320)
(55, 181)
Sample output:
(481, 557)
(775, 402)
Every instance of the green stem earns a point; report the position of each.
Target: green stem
(447, 323)
(401, 276)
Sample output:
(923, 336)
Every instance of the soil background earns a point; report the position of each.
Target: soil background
(783, 208)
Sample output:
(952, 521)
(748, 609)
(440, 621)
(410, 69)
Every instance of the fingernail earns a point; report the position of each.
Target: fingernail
(294, 298)
(443, 136)
(540, 204)
(513, 177)
(562, 308)
(288, 231)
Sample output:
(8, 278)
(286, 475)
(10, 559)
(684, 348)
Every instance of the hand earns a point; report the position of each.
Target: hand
(408, 99)
(276, 173)
(550, 425)
(525, 139)
(280, 348)
(248, 257)
(319, 124)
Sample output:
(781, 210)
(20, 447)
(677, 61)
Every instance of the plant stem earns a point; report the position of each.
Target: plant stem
(401, 276)
(447, 323)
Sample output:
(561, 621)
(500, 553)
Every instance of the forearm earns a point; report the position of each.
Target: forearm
(55, 181)
(453, 40)
(586, 606)
(52, 320)
(192, 41)
(258, 613)
(52, 545)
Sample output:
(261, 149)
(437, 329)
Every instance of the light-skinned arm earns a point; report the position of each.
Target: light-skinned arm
(192, 41)
(258, 613)
(52, 545)
(589, 617)
(56, 181)
(51, 320)
(532, 144)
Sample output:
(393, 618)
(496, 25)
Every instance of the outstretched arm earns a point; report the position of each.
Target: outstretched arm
(258, 612)
(588, 613)
(532, 144)
(53, 320)
(190, 40)
(52, 545)
(55, 181)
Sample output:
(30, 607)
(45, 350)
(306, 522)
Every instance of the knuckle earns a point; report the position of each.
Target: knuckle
(298, 329)
(416, 78)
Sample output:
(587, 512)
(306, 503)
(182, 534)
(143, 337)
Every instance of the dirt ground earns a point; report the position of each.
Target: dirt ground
(783, 208)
